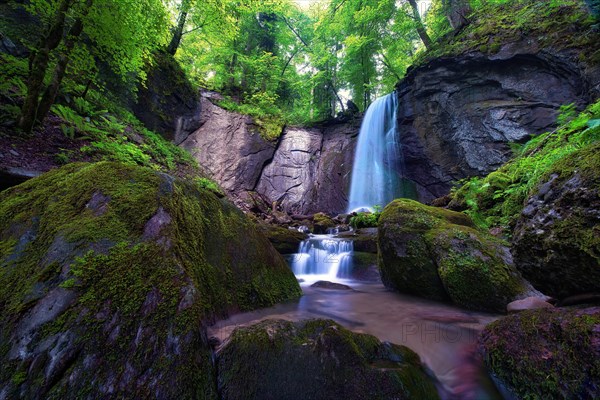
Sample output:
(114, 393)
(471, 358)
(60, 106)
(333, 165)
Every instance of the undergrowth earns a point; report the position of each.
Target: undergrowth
(498, 199)
(106, 129)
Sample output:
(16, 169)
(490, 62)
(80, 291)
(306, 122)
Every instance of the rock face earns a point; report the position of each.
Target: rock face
(108, 274)
(545, 354)
(556, 242)
(167, 103)
(457, 116)
(317, 359)
(228, 146)
(437, 254)
(306, 170)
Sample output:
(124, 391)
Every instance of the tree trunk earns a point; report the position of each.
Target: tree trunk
(178, 30)
(419, 24)
(457, 12)
(39, 65)
(61, 66)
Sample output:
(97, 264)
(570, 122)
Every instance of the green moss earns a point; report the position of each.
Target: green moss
(498, 199)
(564, 24)
(317, 359)
(285, 240)
(84, 229)
(542, 354)
(438, 254)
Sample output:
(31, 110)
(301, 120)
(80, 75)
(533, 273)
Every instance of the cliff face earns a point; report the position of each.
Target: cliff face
(458, 115)
(305, 170)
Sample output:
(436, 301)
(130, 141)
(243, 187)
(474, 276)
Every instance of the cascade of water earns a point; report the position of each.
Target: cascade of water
(377, 171)
(323, 257)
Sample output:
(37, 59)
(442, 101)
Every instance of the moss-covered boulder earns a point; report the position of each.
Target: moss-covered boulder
(285, 240)
(438, 254)
(317, 359)
(108, 275)
(322, 222)
(557, 238)
(545, 354)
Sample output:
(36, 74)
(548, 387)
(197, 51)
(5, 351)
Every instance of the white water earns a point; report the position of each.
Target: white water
(376, 175)
(323, 257)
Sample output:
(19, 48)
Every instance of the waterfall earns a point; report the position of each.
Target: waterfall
(377, 171)
(323, 257)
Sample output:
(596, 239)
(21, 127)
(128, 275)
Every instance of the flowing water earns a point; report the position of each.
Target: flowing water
(323, 257)
(378, 164)
(444, 336)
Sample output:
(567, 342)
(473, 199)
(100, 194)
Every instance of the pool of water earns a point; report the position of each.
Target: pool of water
(444, 336)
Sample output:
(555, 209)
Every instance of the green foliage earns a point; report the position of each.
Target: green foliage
(497, 199)
(366, 219)
(209, 184)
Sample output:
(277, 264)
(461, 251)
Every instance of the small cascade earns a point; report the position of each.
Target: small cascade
(378, 162)
(323, 257)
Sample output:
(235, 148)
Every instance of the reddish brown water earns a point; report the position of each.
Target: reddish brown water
(443, 335)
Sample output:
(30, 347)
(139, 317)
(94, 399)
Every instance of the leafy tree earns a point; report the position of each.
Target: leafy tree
(120, 33)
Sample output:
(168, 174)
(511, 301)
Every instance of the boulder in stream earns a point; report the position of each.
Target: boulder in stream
(438, 254)
(317, 359)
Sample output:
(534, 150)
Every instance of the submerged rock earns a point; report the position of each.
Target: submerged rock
(317, 359)
(108, 274)
(529, 303)
(545, 354)
(557, 239)
(330, 285)
(438, 254)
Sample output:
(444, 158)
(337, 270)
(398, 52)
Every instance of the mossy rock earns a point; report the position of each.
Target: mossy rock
(476, 269)
(322, 222)
(545, 354)
(317, 359)
(438, 254)
(285, 240)
(108, 275)
(556, 241)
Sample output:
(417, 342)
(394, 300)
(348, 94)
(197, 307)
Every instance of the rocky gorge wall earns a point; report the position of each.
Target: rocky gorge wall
(457, 117)
(305, 170)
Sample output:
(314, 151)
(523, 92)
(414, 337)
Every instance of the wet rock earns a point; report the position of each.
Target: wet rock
(317, 359)
(364, 239)
(438, 254)
(529, 303)
(285, 240)
(322, 223)
(110, 297)
(330, 285)
(545, 354)
(556, 242)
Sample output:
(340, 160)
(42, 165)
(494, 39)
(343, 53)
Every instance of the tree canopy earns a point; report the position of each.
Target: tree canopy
(271, 58)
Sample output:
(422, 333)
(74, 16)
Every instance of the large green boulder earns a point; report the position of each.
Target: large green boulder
(317, 359)
(556, 242)
(545, 354)
(438, 254)
(108, 276)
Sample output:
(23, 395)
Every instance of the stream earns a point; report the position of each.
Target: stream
(444, 336)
